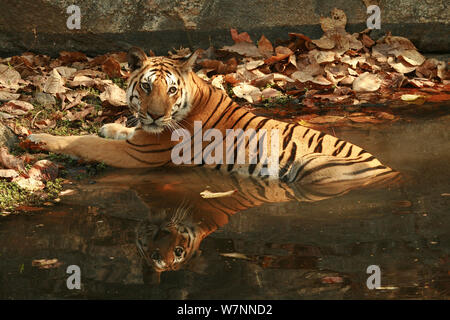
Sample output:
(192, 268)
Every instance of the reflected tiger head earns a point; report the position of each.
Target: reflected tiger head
(158, 91)
(168, 239)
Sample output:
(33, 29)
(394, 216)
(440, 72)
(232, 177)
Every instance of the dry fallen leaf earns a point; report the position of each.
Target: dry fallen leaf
(54, 83)
(248, 92)
(240, 37)
(235, 255)
(114, 95)
(17, 107)
(265, 47)
(366, 82)
(8, 173)
(332, 280)
(9, 77)
(208, 194)
(244, 49)
(411, 97)
(9, 161)
(112, 68)
(43, 170)
(29, 184)
(46, 263)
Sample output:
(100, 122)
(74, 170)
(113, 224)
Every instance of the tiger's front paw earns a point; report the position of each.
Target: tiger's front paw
(44, 141)
(115, 131)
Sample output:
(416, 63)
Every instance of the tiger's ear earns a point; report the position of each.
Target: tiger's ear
(136, 58)
(189, 63)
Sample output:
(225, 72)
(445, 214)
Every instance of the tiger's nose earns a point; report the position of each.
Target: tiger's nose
(156, 256)
(154, 116)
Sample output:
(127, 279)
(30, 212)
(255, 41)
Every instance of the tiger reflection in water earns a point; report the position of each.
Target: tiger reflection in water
(169, 239)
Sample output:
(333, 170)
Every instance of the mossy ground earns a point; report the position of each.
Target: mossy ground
(12, 196)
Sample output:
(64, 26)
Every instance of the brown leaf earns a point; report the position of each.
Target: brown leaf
(54, 83)
(366, 82)
(400, 66)
(270, 93)
(241, 37)
(281, 53)
(8, 76)
(114, 95)
(46, 263)
(7, 96)
(43, 170)
(244, 49)
(265, 47)
(80, 115)
(8, 173)
(9, 161)
(112, 68)
(17, 107)
(332, 280)
(29, 183)
(248, 92)
(367, 41)
(65, 72)
(67, 57)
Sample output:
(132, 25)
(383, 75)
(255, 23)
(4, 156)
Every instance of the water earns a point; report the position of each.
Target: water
(279, 250)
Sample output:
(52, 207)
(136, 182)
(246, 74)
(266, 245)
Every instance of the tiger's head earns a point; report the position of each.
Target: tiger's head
(168, 239)
(157, 91)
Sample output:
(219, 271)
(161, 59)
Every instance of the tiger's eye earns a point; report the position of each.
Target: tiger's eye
(146, 86)
(172, 90)
(178, 251)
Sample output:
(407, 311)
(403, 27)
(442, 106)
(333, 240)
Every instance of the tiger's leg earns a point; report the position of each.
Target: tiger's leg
(115, 153)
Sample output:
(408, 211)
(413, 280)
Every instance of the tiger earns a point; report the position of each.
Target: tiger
(167, 95)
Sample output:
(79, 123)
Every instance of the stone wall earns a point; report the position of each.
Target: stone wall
(160, 25)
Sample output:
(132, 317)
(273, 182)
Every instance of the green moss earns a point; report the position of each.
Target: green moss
(120, 82)
(281, 100)
(13, 196)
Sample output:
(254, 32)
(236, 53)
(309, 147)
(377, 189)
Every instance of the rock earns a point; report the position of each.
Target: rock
(161, 25)
(43, 98)
(7, 137)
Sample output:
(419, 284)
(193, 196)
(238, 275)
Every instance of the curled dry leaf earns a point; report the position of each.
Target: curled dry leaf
(65, 72)
(248, 92)
(366, 82)
(235, 255)
(265, 47)
(411, 97)
(67, 57)
(112, 68)
(270, 93)
(8, 173)
(43, 170)
(46, 263)
(208, 194)
(54, 83)
(281, 54)
(17, 107)
(7, 96)
(29, 184)
(244, 49)
(114, 95)
(413, 57)
(9, 77)
(402, 67)
(240, 37)
(218, 82)
(332, 280)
